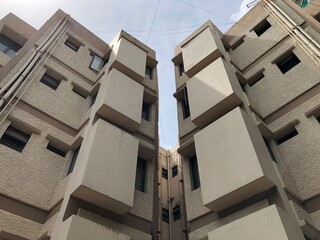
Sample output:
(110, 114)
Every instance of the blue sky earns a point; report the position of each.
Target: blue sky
(174, 21)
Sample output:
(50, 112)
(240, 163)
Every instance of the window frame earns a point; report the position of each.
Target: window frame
(47, 80)
(262, 27)
(100, 66)
(175, 170)
(164, 173)
(12, 133)
(165, 215)
(72, 45)
(9, 46)
(287, 61)
(176, 212)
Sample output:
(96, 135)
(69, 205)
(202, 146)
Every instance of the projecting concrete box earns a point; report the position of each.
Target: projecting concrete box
(106, 169)
(201, 50)
(78, 228)
(213, 92)
(265, 224)
(129, 59)
(233, 161)
(120, 100)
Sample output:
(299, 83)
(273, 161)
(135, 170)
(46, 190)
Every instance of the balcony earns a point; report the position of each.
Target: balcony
(201, 50)
(213, 92)
(129, 59)
(75, 228)
(120, 100)
(265, 224)
(233, 161)
(106, 168)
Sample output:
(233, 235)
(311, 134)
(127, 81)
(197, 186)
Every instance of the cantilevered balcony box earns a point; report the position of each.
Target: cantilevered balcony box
(120, 100)
(233, 161)
(106, 168)
(266, 224)
(201, 50)
(78, 228)
(213, 92)
(129, 59)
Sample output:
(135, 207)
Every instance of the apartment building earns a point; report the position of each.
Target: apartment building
(78, 133)
(248, 111)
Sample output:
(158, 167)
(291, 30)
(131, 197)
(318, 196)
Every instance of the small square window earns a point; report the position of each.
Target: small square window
(181, 69)
(97, 63)
(50, 81)
(287, 137)
(56, 150)
(14, 138)
(73, 160)
(175, 171)
(164, 173)
(73, 44)
(146, 111)
(149, 72)
(165, 215)
(287, 62)
(262, 27)
(176, 213)
(8, 46)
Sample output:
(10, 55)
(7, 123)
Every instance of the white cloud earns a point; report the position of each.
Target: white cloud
(242, 11)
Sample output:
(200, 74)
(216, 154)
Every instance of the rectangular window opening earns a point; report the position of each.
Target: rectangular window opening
(287, 137)
(50, 81)
(8, 46)
(176, 213)
(73, 160)
(255, 78)
(93, 99)
(14, 138)
(146, 111)
(140, 183)
(56, 150)
(317, 17)
(175, 171)
(262, 27)
(149, 72)
(287, 62)
(97, 63)
(165, 215)
(72, 43)
(237, 43)
(81, 94)
(318, 119)
(164, 173)
(194, 172)
(181, 69)
(270, 150)
(185, 104)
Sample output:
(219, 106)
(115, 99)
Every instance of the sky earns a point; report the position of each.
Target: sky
(161, 24)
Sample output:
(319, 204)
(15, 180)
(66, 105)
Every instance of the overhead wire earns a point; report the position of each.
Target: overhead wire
(154, 18)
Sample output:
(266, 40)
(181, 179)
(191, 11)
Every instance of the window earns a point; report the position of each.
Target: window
(93, 99)
(306, 237)
(262, 27)
(56, 150)
(14, 138)
(287, 137)
(176, 213)
(73, 44)
(146, 111)
(73, 160)
(269, 150)
(140, 184)
(149, 72)
(185, 104)
(318, 118)
(317, 17)
(175, 171)
(164, 173)
(97, 63)
(8, 46)
(255, 78)
(50, 81)
(181, 69)
(287, 62)
(194, 172)
(165, 215)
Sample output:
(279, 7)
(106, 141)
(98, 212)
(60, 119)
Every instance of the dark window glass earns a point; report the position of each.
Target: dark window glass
(185, 104)
(145, 111)
(287, 137)
(306, 237)
(97, 63)
(14, 138)
(50, 81)
(318, 118)
(148, 72)
(93, 99)
(195, 178)
(176, 213)
(270, 150)
(140, 184)
(317, 17)
(288, 63)
(8, 46)
(164, 173)
(165, 215)
(175, 171)
(181, 69)
(56, 150)
(74, 159)
(71, 45)
(262, 27)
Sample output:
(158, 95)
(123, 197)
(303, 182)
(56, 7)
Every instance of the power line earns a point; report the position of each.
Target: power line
(154, 18)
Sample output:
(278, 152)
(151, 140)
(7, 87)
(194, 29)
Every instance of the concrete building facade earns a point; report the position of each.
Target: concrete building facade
(79, 135)
(248, 111)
